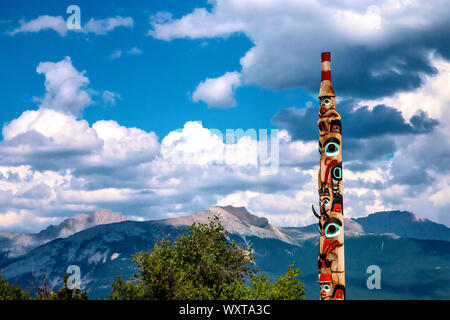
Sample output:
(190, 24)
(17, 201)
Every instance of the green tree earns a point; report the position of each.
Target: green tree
(286, 287)
(203, 264)
(12, 292)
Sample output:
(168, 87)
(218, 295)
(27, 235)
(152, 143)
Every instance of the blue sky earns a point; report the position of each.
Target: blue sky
(99, 118)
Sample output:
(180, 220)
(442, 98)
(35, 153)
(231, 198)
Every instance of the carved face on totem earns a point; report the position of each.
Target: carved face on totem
(331, 156)
(325, 201)
(328, 116)
(326, 286)
(326, 103)
(331, 241)
(326, 257)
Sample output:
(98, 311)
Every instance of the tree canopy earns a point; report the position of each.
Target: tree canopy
(11, 292)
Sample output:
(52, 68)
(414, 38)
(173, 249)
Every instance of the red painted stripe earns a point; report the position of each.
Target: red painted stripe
(333, 245)
(329, 165)
(326, 56)
(326, 75)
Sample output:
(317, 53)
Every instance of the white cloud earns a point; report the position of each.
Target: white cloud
(115, 54)
(440, 197)
(110, 98)
(192, 145)
(122, 144)
(238, 199)
(65, 87)
(24, 221)
(199, 24)
(218, 92)
(49, 139)
(58, 24)
(134, 51)
(432, 97)
(42, 23)
(103, 26)
(58, 128)
(196, 145)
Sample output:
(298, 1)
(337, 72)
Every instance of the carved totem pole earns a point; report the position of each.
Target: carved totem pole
(331, 220)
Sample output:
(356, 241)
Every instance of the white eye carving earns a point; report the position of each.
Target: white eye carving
(331, 149)
(332, 230)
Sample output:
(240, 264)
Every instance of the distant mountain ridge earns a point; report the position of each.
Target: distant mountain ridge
(16, 244)
(403, 224)
(236, 220)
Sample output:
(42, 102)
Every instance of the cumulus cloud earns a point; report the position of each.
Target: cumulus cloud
(47, 139)
(218, 92)
(58, 24)
(125, 169)
(44, 22)
(123, 145)
(65, 87)
(387, 53)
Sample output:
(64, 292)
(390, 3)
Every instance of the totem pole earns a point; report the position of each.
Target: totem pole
(331, 220)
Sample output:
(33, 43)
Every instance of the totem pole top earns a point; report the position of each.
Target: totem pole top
(326, 88)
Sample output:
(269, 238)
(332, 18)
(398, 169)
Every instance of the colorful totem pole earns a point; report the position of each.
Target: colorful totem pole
(331, 220)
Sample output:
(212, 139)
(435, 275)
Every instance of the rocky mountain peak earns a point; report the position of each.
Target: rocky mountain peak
(85, 221)
(244, 215)
(17, 244)
(236, 220)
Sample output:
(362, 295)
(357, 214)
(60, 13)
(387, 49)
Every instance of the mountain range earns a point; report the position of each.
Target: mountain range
(413, 253)
(16, 244)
